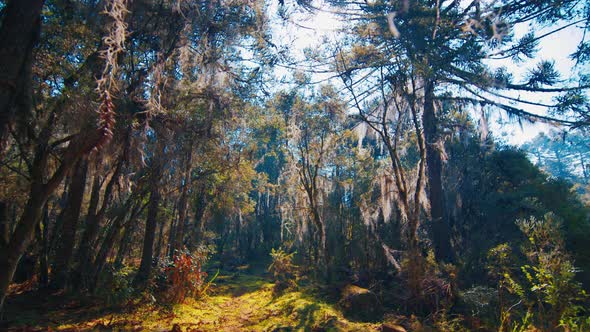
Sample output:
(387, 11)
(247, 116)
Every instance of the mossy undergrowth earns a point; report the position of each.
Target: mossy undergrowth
(236, 302)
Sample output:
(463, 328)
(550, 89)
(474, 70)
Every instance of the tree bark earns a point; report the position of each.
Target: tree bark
(43, 264)
(93, 220)
(83, 257)
(200, 207)
(21, 238)
(65, 247)
(124, 244)
(182, 207)
(4, 226)
(158, 250)
(105, 249)
(439, 226)
(171, 239)
(18, 36)
(112, 235)
(145, 267)
(58, 217)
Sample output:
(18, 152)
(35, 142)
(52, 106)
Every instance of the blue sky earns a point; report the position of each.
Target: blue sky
(304, 31)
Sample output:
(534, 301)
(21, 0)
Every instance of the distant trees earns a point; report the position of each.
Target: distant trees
(562, 154)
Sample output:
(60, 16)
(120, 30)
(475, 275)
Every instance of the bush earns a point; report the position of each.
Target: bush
(116, 286)
(545, 286)
(283, 270)
(183, 276)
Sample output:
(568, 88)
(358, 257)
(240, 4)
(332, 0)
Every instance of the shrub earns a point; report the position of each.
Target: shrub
(545, 286)
(183, 276)
(283, 270)
(116, 286)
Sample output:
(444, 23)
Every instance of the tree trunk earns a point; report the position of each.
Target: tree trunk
(200, 207)
(322, 255)
(439, 226)
(84, 257)
(110, 239)
(171, 232)
(18, 36)
(124, 244)
(93, 220)
(105, 249)
(38, 195)
(182, 207)
(158, 251)
(43, 265)
(65, 247)
(4, 226)
(145, 267)
(171, 238)
(58, 217)
(583, 164)
(21, 237)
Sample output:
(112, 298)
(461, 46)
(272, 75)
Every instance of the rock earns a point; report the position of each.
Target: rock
(389, 327)
(361, 304)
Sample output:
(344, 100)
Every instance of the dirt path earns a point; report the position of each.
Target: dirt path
(238, 302)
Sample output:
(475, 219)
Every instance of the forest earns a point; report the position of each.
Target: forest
(294, 165)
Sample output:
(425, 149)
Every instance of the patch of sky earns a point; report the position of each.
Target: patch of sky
(557, 48)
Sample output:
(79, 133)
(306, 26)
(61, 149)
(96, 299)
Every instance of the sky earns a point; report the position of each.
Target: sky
(556, 47)
(304, 30)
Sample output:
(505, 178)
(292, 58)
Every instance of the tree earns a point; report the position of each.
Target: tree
(446, 49)
(561, 154)
(19, 34)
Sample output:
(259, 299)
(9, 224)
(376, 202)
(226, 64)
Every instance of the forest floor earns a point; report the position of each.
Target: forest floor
(235, 302)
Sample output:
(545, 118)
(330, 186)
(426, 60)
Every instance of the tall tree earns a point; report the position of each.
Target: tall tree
(448, 49)
(19, 34)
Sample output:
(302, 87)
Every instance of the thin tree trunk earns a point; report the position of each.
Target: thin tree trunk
(65, 248)
(105, 249)
(171, 238)
(200, 207)
(4, 225)
(145, 268)
(43, 265)
(84, 258)
(58, 217)
(322, 250)
(158, 251)
(182, 206)
(93, 221)
(109, 240)
(583, 164)
(124, 244)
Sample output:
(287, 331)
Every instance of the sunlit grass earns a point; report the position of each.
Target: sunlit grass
(238, 302)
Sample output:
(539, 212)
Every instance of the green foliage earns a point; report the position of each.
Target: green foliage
(496, 187)
(283, 270)
(544, 287)
(117, 287)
